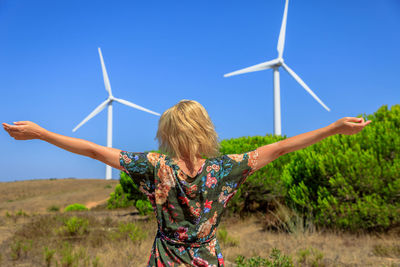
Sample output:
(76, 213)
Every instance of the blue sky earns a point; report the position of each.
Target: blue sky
(158, 52)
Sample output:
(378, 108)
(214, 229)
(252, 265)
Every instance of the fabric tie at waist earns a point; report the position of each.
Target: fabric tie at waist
(179, 242)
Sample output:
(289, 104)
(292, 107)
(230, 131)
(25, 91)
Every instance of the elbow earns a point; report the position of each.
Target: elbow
(281, 149)
(92, 153)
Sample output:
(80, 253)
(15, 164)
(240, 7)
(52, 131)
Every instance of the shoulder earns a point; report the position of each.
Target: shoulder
(154, 157)
(251, 157)
(236, 157)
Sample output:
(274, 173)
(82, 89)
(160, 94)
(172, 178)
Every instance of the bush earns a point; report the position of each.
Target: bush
(276, 259)
(79, 257)
(76, 207)
(131, 231)
(144, 207)
(20, 248)
(310, 257)
(350, 182)
(130, 188)
(74, 226)
(21, 213)
(53, 208)
(48, 255)
(344, 181)
(119, 199)
(126, 194)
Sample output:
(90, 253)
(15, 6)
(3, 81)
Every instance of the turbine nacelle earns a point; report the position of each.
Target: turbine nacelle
(108, 102)
(275, 64)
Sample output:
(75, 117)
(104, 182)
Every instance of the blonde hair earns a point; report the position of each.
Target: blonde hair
(185, 131)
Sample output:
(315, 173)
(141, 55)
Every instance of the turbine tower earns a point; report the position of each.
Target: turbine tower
(108, 103)
(275, 64)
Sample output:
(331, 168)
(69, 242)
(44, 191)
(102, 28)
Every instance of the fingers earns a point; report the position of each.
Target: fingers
(358, 121)
(11, 127)
(21, 122)
(353, 119)
(6, 126)
(15, 126)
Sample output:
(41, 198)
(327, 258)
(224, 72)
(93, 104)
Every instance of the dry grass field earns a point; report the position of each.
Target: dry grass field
(35, 231)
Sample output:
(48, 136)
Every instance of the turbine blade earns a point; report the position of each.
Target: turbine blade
(302, 83)
(92, 114)
(258, 67)
(130, 104)
(105, 75)
(282, 34)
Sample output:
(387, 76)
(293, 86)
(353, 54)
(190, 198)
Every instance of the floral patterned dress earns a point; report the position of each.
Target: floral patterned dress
(188, 209)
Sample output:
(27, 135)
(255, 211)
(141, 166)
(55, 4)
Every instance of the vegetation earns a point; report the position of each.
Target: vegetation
(129, 231)
(345, 182)
(119, 199)
(226, 239)
(61, 239)
(53, 208)
(143, 206)
(74, 226)
(76, 207)
(127, 194)
(276, 259)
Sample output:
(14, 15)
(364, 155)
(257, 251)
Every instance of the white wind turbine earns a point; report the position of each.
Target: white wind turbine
(108, 102)
(275, 64)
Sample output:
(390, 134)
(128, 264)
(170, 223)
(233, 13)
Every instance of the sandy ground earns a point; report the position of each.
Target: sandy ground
(38, 195)
(33, 197)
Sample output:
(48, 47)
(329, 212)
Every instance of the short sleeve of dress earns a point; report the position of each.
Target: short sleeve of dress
(139, 168)
(243, 165)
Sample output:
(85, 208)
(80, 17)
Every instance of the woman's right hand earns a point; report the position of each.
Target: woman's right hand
(24, 130)
(349, 125)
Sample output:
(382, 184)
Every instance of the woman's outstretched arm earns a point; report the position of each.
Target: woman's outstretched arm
(27, 130)
(346, 125)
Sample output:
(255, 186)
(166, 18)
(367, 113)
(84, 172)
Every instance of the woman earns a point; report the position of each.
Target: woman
(188, 184)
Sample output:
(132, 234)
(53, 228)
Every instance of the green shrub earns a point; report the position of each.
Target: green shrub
(79, 257)
(76, 207)
(21, 213)
(130, 189)
(129, 230)
(20, 248)
(344, 181)
(350, 182)
(126, 194)
(390, 250)
(119, 199)
(74, 226)
(68, 257)
(143, 206)
(53, 208)
(96, 262)
(275, 259)
(48, 255)
(310, 257)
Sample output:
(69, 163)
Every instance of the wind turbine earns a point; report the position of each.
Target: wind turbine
(275, 64)
(108, 103)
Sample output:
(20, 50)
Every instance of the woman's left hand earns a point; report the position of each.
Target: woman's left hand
(24, 130)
